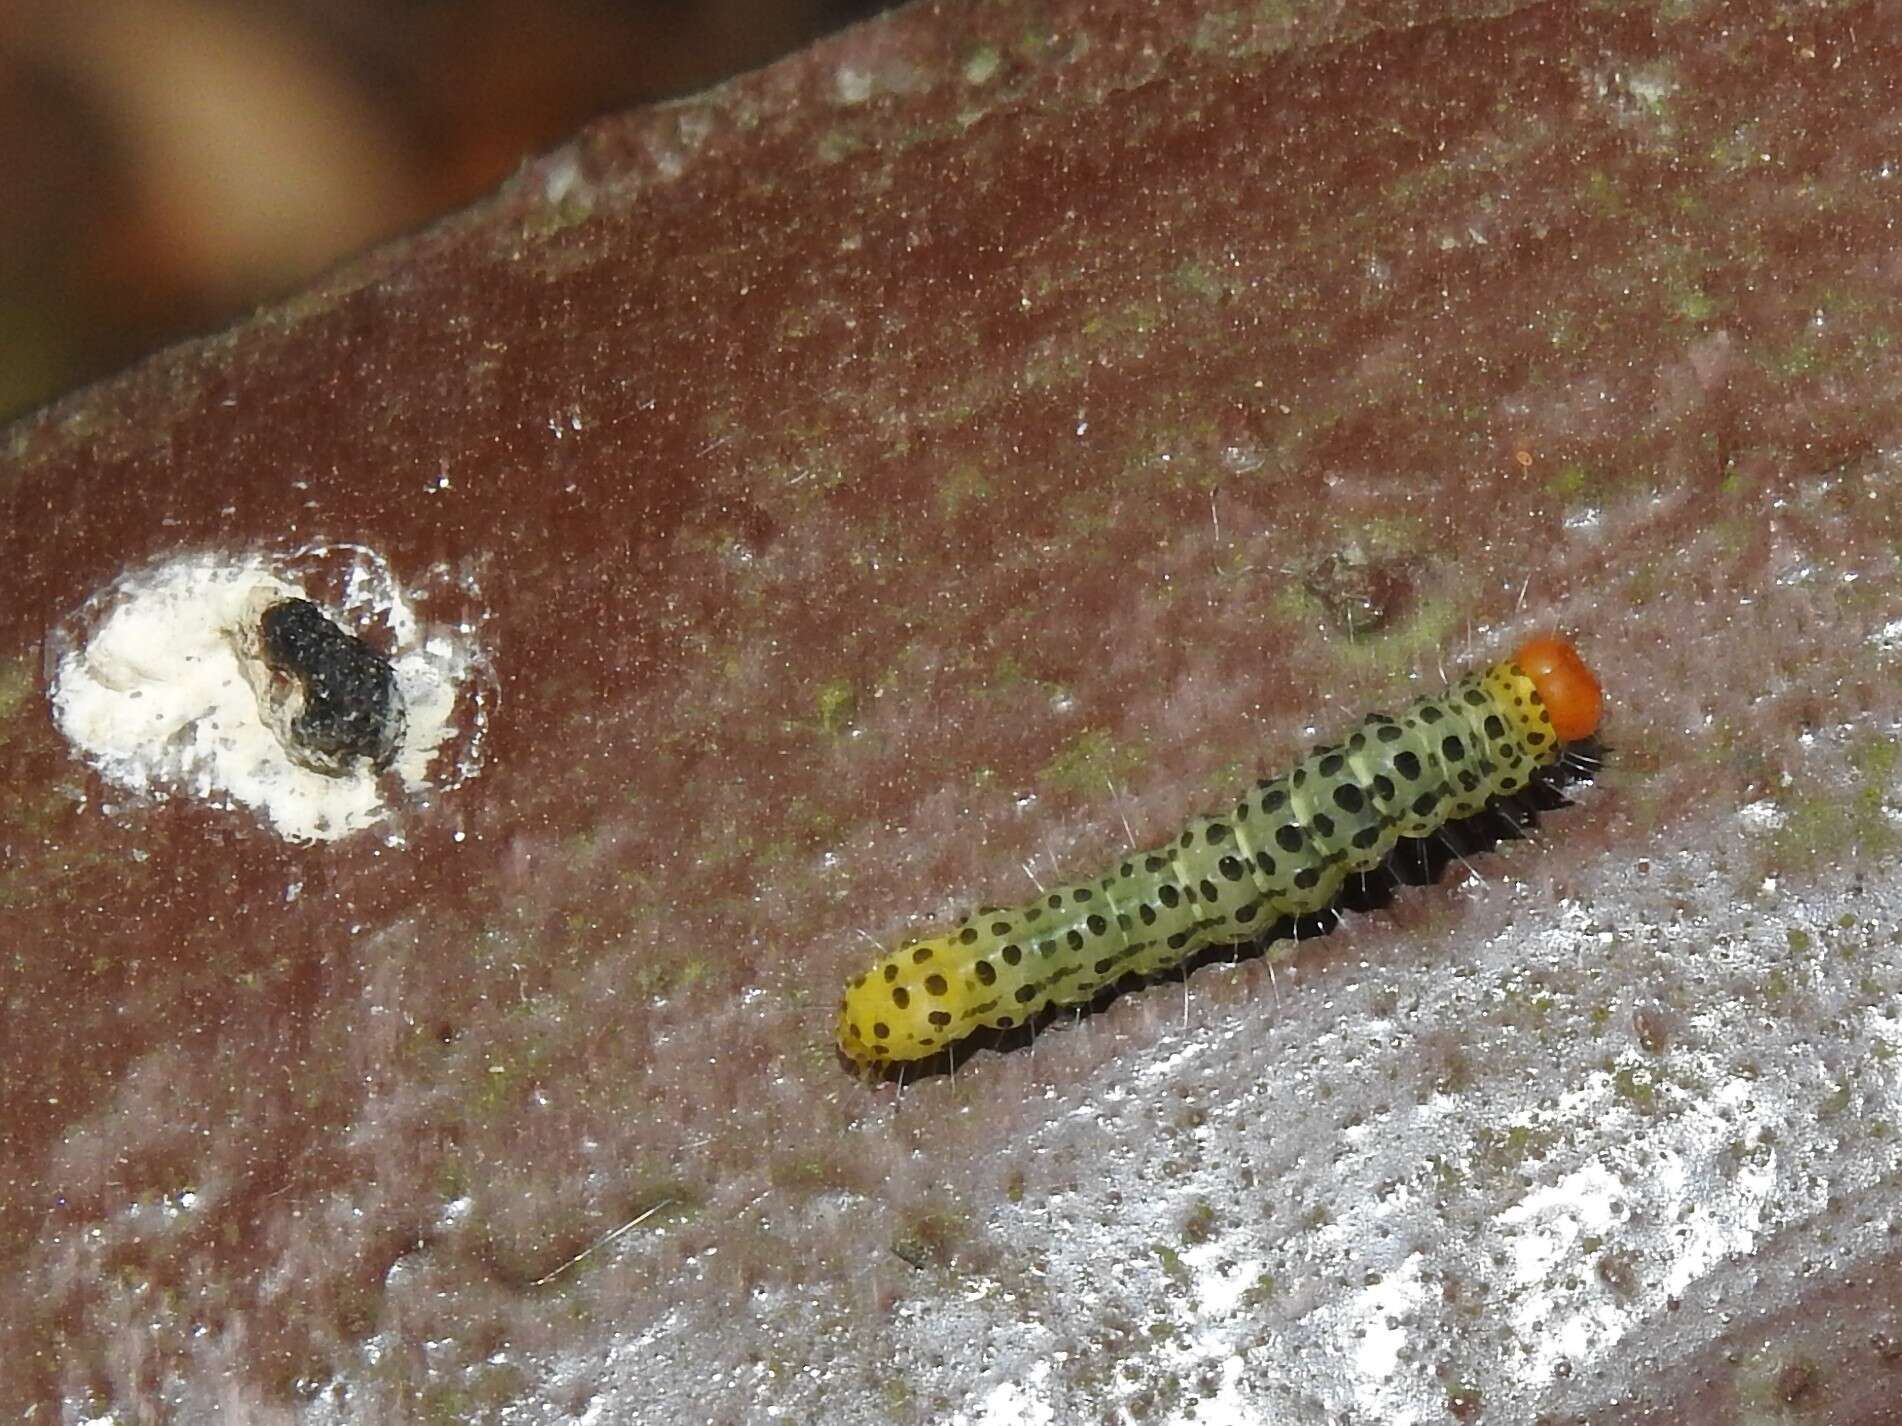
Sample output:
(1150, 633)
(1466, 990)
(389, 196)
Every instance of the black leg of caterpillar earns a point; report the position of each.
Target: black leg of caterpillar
(1582, 759)
(1374, 888)
(1547, 794)
(1521, 830)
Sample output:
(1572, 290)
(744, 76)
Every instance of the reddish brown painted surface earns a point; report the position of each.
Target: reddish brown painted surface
(868, 463)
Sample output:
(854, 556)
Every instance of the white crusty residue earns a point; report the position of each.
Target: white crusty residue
(149, 684)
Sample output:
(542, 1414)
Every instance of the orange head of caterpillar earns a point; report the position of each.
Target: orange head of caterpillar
(1568, 689)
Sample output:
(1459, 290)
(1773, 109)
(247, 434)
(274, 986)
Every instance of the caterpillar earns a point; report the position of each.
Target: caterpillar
(1282, 850)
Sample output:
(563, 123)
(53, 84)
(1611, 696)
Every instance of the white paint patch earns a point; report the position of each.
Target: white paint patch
(1010, 1403)
(148, 684)
(1371, 1327)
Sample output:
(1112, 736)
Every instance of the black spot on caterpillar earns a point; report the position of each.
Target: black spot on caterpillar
(1281, 850)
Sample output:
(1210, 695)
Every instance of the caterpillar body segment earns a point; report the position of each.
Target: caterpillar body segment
(1282, 849)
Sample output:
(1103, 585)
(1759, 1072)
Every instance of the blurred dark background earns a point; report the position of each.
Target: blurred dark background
(165, 164)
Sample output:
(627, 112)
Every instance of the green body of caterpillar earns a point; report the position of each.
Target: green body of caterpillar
(1283, 849)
